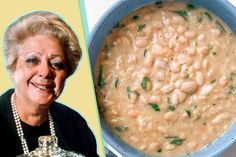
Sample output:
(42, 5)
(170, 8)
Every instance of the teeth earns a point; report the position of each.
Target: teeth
(42, 87)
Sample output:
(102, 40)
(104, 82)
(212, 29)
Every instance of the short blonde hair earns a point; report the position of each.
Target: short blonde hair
(43, 23)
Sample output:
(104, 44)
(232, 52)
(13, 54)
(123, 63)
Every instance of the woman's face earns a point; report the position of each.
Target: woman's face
(40, 71)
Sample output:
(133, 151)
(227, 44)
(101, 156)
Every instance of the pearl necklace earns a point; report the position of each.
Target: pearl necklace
(19, 127)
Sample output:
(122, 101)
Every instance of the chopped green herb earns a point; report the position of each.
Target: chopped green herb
(144, 82)
(176, 141)
(116, 83)
(184, 14)
(208, 15)
(135, 17)
(221, 27)
(128, 89)
(213, 53)
(137, 93)
(200, 18)
(121, 128)
(213, 81)
(168, 100)
(159, 4)
(191, 6)
(117, 25)
(210, 46)
(186, 74)
(188, 112)
(145, 52)
(159, 150)
(232, 74)
(171, 108)
(101, 82)
(154, 107)
(140, 27)
(232, 90)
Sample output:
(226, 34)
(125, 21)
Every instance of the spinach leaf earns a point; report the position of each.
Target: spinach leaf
(155, 107)
(184, 14)
(122, 128)
(191, 6)
(128, 89)
(101, 82)
(144, 82)
(140, 27)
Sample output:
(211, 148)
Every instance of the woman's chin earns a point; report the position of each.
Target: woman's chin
(42, 96)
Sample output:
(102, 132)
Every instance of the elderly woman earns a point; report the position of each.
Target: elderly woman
(41, 53)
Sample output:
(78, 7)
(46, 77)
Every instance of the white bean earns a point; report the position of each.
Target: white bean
(219, 118)
(215, 31)
(202, 51)
(190, 34)
(184, 59)
(133, 97)
(167, 88)
(160, 64)
(197, 65)
(141, 42)
(224, 81)
(206, 89)
(160, 76)
(201, 37)
(189, 87)
(205, 64)
(177, 19)
(178, 83)
(153, 146)
(175, 67)
(143, 147)
(182, 39)
(200, 78)
(181, 95)
(148, 31)
(158, 50)
(132, 58)
(170, 116)
(190, 51)
(132, 113)
(192, 145)
(148, 61)
(155, 99)
(174, 99)
(162, 129)
(181, 29)
(146, 71)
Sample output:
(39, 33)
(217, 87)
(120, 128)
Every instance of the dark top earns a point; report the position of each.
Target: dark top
(71, 130)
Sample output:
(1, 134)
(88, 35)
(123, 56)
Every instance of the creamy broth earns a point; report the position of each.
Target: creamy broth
(165, 78)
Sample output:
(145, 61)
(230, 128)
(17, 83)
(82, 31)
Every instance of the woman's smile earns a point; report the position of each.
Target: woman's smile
(44, 87)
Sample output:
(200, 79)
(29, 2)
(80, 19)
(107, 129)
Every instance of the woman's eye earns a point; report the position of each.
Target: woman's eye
(32, 60)
(57, 65)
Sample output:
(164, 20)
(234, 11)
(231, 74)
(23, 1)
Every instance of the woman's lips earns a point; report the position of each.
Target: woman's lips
(44, 87)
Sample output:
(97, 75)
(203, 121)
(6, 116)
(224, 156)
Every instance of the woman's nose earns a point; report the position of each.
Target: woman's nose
(45, 70)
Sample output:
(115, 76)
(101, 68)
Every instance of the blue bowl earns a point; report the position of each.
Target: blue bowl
(221, 8)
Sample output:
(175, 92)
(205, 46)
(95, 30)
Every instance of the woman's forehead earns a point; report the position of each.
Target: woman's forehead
(42, 45)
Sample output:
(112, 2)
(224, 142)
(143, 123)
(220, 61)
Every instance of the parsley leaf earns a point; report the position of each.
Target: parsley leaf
(155, 107)
(144, 82)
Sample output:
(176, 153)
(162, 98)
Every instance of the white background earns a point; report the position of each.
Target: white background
(95, 9)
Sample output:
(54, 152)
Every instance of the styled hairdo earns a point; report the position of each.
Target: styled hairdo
(41, 23)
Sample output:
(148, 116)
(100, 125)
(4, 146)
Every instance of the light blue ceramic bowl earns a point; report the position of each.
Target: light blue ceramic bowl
(221, 8)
